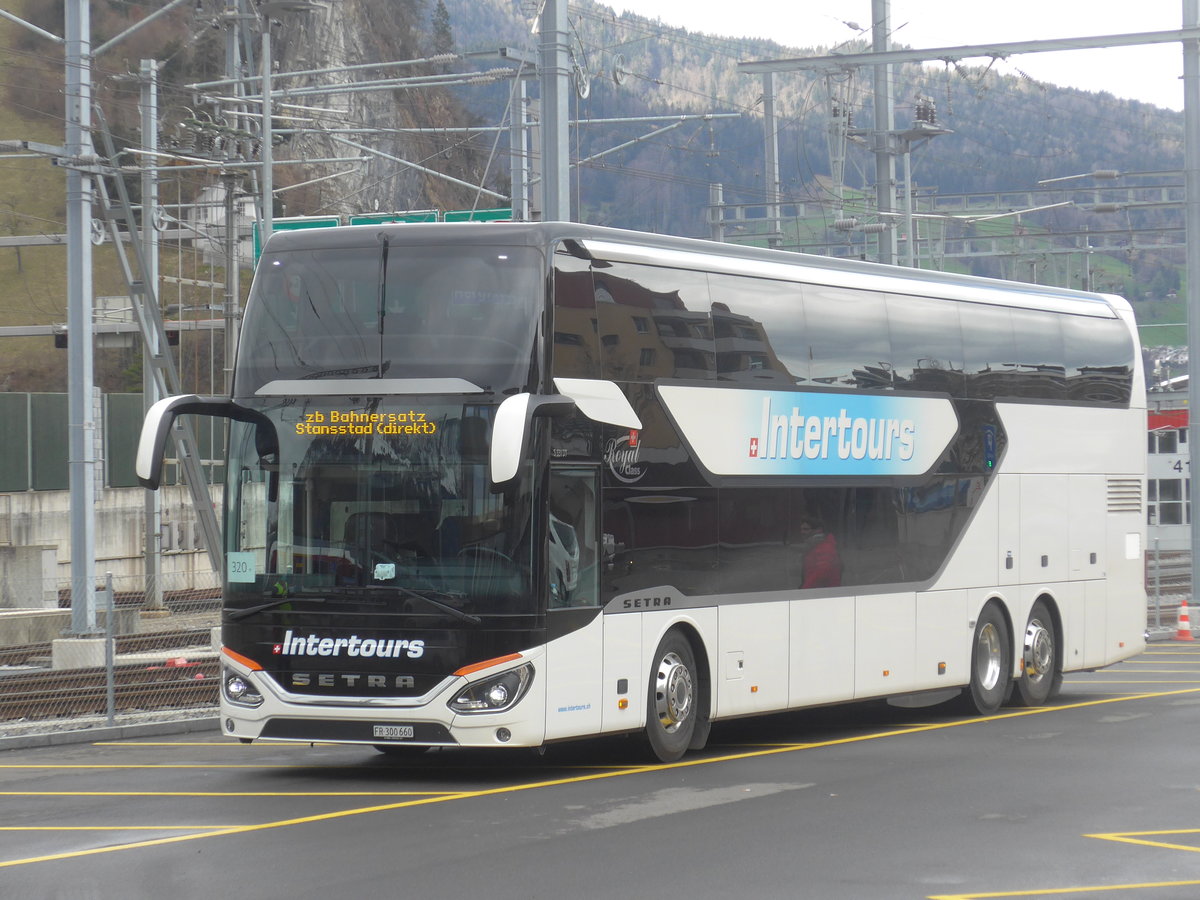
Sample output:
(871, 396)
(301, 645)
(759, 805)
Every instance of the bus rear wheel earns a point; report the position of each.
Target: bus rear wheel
(1041, 675)
(672, 706)
(991, 663)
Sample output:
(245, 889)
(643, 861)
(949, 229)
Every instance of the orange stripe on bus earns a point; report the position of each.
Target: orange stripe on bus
(487, 664)
(244, 660)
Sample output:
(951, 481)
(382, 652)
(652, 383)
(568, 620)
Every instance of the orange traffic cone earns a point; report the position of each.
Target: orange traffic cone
(1184, 629)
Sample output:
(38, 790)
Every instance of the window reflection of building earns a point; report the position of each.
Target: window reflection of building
(640, 332)
(653, 324)
(744, 352)
(637, 323)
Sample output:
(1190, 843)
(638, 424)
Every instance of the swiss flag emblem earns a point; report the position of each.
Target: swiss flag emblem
(633, 438)
(277, 649)
(753, 447)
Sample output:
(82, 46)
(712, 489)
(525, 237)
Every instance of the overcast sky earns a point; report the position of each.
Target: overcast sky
(1151, 73)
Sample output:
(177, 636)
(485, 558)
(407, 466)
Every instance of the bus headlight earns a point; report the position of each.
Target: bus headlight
(494, 694)
(238, 689)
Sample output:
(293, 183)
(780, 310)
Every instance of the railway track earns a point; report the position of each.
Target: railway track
(1170, 576)
(78, 692)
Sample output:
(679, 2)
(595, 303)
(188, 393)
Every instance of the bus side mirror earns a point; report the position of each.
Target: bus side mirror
(511, 428)
(156, 430)
(601, 401)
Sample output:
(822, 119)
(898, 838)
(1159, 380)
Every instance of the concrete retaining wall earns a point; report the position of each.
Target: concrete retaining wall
(35, 540)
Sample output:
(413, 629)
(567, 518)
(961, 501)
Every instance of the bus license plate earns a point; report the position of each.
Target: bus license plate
(394, 732)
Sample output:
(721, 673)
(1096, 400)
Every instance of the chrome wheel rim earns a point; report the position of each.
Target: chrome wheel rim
(1039, 651)
(988, 656)
(673, 692)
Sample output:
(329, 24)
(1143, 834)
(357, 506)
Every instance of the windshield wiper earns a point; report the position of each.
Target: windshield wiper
(445, 607)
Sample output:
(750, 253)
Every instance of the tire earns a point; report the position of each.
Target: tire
(991, 663)
(1041, 669)
(672, 698)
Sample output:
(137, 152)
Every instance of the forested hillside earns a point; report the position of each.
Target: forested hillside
(1008, 132)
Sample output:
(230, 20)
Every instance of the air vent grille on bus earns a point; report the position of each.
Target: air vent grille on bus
(1124, 495)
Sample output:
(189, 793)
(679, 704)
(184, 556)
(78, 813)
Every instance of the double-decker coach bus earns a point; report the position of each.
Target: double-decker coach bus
(510, 484)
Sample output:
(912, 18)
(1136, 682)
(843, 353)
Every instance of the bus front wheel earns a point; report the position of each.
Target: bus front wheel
(991, 662)
(1041, 674)
(672, 706)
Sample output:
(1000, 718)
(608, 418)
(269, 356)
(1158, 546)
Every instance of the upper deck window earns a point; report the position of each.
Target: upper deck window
(432, 312)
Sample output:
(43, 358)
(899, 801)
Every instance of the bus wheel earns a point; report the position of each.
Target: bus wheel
(671, 704)
(991, 663)
(1040, 675)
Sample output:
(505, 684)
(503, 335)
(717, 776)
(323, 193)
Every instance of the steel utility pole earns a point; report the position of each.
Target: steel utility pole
(771, 175)
(1191, 173)
(885, 121)
(80, 377)
(556, 85)
(150, 346)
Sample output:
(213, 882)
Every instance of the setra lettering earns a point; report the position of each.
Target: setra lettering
(647, 602)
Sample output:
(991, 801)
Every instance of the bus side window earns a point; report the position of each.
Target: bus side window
(847, 338)
(576, 346)
(572, 541)
(1100, 360)
(927, 344)
(654, 323)
(758, 329)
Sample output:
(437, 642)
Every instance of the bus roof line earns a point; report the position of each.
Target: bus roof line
(974, 290)
(371, 387)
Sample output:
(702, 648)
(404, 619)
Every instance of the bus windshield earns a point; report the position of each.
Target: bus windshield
(378, 311)
(384, 502)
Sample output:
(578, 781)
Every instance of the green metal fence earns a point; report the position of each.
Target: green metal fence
(34, 442)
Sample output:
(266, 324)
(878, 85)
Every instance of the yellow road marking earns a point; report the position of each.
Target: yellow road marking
(1125, 837)
(1052, 892)
(1134, 837)
(554, 782)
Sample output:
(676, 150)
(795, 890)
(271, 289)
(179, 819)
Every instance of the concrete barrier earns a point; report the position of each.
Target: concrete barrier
(28, 577)
(41, 626)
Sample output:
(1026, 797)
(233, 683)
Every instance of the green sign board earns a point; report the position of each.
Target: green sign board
(292, 223)
(412, 216)
(478, 215)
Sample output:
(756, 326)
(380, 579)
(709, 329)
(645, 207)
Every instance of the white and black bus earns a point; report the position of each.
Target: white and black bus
(510, 484)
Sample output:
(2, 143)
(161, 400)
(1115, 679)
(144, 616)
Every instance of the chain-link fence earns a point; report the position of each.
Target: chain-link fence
(149, 655)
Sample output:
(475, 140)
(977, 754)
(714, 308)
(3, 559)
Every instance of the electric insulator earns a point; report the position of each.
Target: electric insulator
(926, 111)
